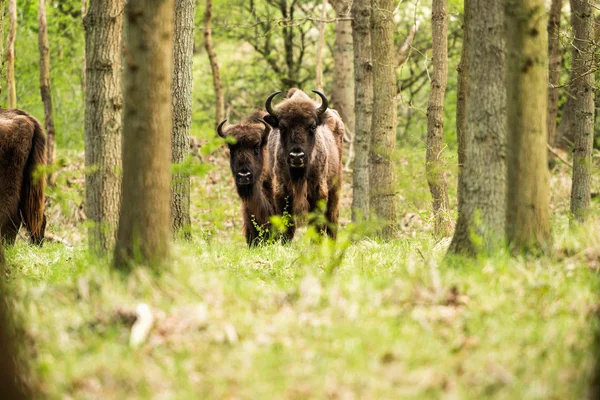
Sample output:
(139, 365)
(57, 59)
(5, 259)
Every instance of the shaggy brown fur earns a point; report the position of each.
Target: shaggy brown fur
(249, 163)
(302, 182)
(22, 152)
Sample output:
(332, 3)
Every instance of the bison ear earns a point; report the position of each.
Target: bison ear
(272, 120)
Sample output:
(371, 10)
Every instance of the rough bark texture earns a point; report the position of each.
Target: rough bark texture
(527, 207)
(144, 233)
(103, 106)
(582, 20)
(320, 45)
(342, 95)
(435, 119)
(44, 49)
(554, 65)
(10, 54)
(363, 94)
(481, 209)
(214, 64)
(461, 102)
(183, 51)
(383, 196)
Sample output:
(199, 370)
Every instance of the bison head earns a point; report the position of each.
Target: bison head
(297, 118)
(246, 151)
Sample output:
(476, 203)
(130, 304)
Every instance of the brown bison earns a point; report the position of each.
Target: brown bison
(306, 146)
(249, 163)
(22, 151)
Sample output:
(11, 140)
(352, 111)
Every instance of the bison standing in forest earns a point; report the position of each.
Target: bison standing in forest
(306, 146)
(22, 152)
(249, 163)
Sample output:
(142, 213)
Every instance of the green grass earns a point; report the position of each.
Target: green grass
(391, 320)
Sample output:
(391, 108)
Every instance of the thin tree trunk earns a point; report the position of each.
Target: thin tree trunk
(482, 184)
(363, 94)
(144, 233)
(214, 63)
(46, 94)
(320, 45)
(554, 65)
(527, 207)
(435, 119)
(103, 106)
(582, 20)
(183, 51)
(383, 196)
(461, 103)
(10, 54)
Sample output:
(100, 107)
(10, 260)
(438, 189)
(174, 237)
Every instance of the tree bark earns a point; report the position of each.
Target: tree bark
(103, 106)
(2, 44)
(461, 103)
(144, 232)
(582, 20)
(482, 184)
(214, 64)
(435, 119)
(554, 65)
(46, 94)
(183, 52)
(10, 54)
(320, 45)
(383, 196)
(83, 13)
(527, 207)
(363, 94)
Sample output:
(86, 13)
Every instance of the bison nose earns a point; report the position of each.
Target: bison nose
(244, 177)
(297, 159)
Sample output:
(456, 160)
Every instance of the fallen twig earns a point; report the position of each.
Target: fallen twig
(553, 151)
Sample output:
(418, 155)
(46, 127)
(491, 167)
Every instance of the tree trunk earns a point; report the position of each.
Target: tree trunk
(461, 102)
(44, 49)
(527, 208)
(363, 94)
(342, 95)
(10, 54)
(103, 106)
(435, 119)
(482, 184)
(320, 45)
(144, 233)
(214, 64)
(383, 196)
(1, 44)
(582, 20)
(83, 73)
(554, 65)
(183, 52)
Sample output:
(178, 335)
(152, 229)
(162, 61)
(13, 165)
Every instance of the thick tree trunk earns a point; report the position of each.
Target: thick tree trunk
(103, 104)
(10, 54)
(144, 233)
(319, 52)
(183, 51)
(461, 103)
(383, 196)
(482, 184)
(363, 95)
(582, 20)
(214, 64)
(44, 49)
(435, 119)
(342, 95)
(527, 207)
(554, 65)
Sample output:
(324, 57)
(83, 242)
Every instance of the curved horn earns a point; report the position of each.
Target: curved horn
(267, 128)
(220, 129)
(268, 106)
(324, 102)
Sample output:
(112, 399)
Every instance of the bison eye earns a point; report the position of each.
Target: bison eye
(312, 129)
(257, 150)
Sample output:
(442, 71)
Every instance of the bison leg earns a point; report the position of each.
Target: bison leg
(332, 213)
(10, 229)
(285, 210)
(316, 202)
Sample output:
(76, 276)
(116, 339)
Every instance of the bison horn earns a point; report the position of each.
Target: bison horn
(268, 103)
(220, 129)
(324, 102)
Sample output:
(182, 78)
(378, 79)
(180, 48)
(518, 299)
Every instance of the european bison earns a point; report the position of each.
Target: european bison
(249, 164)
(306, 146)
(22, 151)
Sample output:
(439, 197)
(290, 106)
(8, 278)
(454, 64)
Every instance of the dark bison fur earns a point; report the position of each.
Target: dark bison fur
(306, 146)
(249, 162)
(22, 153)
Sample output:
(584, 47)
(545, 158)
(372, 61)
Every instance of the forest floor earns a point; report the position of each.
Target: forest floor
(355, 319)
